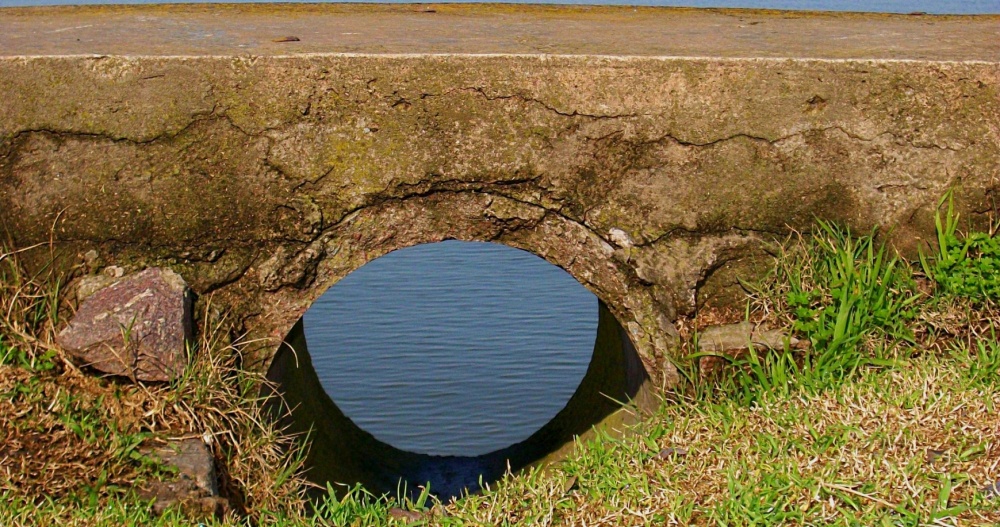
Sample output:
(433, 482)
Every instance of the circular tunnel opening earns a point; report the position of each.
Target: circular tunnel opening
(449, 364)
(452, 348)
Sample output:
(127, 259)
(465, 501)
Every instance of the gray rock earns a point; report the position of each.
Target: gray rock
(91, 258)
(192, 459)
(195, 488)
(137, 327)
(671, 453)
(719, 339)
(992, 491)
(406, 516)
(92, 283)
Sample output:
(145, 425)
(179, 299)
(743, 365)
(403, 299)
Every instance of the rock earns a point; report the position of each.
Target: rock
(195, 488)
(734, 340)
(620, 238)
(192, 459)
(671, 452)
(186, 496)
(933, 455)
(570, 485)
(729, 337)
(405, 515)
(992, 491)
(137, 327)
(92, 283)
(90, 258)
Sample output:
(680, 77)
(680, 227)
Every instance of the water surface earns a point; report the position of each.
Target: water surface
(453, 348)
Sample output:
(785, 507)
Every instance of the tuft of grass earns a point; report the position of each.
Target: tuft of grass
(963, 265)
(840, 290)
(356, 507)
(260, 466)
(29, 314)
(847, 296)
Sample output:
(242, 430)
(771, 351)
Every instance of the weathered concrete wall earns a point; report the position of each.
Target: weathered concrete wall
(265, 179)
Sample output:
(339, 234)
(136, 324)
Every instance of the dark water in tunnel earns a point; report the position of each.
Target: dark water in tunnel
(341, 454)
(452, 363)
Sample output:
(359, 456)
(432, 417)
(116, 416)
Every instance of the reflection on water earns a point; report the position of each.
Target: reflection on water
(431, 348)
(343, 454)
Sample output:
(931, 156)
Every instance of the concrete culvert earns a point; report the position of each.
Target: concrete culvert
(343, 453)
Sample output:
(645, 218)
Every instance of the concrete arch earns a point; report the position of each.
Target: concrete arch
(294, 280)
(652, 168)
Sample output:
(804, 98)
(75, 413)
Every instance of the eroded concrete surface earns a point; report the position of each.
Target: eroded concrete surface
(655, 154)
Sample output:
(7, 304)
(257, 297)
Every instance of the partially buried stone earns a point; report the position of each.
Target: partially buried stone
(992, 491)
(405, 515)
(742, 336)
(672, 452)
(735, 340)
(192, 459)
(194, 489)
(137, 327)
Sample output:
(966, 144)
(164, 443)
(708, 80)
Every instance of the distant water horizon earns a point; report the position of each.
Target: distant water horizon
(933, 7)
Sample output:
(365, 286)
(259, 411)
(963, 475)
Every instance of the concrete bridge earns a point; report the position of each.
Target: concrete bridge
(264, 152)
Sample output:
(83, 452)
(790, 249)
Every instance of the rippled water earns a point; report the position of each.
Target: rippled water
(453, 348)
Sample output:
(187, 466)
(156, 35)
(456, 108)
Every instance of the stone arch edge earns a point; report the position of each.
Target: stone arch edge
(283, 285)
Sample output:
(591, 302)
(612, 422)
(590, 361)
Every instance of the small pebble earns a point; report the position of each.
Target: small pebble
(403, 514)
(670, 452)
(934, 455)
(570, 484)
(992, 491)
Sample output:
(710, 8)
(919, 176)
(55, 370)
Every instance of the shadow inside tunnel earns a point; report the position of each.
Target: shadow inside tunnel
(342, 454)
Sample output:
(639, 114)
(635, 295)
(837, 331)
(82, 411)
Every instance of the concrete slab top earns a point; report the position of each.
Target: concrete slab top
(292, 29)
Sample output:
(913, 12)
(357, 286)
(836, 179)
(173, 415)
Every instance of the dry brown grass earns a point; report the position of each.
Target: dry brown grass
(67, 434)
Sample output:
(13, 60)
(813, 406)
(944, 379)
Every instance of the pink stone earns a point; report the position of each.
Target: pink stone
(138, 327)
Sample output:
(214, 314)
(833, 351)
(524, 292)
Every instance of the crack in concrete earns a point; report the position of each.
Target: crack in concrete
(518, 97)
(196, 118)
(897, 138)
(523, 98)
(216, 114)
(687, 233)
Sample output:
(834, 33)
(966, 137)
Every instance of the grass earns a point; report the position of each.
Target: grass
(963, 266)
(73, 445)
(865, 453)
(888, 418)
(853, 304)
